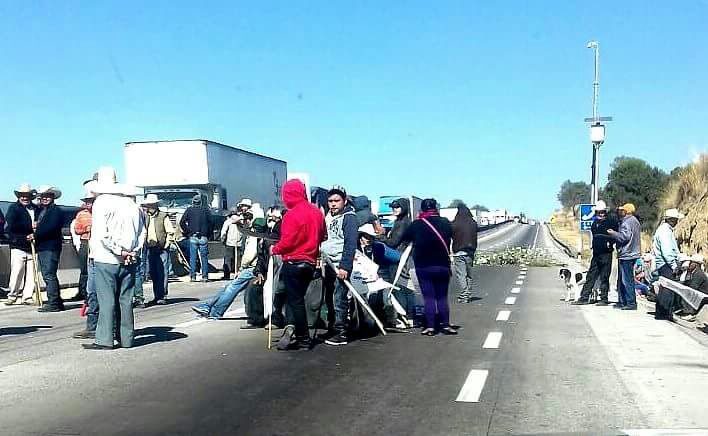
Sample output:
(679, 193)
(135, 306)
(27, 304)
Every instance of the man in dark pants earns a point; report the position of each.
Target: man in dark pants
(196, 225)
(48, 240)
(302, 231)
(601, 263)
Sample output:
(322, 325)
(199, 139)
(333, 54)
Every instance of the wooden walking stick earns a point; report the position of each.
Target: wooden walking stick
(37, 289)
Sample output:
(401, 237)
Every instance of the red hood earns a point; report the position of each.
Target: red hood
(293, 193)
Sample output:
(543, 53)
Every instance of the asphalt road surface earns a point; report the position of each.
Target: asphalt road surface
(524, 363)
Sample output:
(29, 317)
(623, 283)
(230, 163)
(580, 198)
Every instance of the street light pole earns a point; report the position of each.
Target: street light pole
(597, 129)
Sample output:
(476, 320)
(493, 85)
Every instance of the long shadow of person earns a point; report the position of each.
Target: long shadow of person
(22, 330)
(150, 335)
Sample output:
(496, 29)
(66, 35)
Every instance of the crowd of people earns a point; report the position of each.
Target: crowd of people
(360, 268)
(637, 273)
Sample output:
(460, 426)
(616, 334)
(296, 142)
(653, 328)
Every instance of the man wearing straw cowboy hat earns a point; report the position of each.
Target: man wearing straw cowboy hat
(48, 239)
(20, 216)
(159, 235)
(117, 235)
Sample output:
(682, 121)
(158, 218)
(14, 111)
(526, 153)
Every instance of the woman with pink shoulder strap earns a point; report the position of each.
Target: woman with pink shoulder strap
(431, 235)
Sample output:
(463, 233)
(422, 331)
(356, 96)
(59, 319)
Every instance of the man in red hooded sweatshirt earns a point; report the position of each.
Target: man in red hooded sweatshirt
(302, 230)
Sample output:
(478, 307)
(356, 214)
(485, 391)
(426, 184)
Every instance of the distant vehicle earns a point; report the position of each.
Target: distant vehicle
(222, 175)
(532, 222)
(385, 213)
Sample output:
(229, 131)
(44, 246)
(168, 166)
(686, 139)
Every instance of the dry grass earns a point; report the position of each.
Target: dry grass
(689, 193)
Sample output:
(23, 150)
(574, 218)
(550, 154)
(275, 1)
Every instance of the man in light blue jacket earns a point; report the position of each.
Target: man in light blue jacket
(628, 240)
(664, 245)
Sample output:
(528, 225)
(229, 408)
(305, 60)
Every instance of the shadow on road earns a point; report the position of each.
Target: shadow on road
(151, 335)
(22, 330)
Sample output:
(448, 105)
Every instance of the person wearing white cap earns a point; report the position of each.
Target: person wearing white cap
(20, 216)
(664, 245)
(48, 239)
(696, 279)
(117, 235)
(601, 262)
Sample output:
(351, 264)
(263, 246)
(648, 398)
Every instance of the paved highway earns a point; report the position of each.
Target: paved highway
(523, 363)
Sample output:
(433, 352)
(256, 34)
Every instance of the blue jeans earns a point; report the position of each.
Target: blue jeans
(198, 246)
(219, 303)
(48, 265)
(158, 259)
(625, 283)
(91, 298)
(114, 287)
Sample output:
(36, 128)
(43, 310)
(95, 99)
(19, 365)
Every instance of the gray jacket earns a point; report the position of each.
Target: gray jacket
(342, 237)
(629, 243)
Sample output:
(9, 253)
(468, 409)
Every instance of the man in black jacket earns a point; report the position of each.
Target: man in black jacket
(464, 247)
(196, 225)
(48, 239)
(601, 263)
(20, 216)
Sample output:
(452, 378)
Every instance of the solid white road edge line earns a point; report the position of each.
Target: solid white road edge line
(510, 300)
(515, 290)
(472, 389)
(535, 239)
(503, 315)
(492, 341)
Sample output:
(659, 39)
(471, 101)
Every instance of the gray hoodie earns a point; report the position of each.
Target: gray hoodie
(629, 239)
(342, 235)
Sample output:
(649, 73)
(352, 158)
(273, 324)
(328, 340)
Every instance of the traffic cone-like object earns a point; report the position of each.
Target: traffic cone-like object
(84, 307)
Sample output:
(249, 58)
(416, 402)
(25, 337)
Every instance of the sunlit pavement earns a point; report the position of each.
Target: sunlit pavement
(525, 362)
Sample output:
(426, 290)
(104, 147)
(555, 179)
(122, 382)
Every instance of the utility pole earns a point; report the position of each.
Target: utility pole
(597, 129)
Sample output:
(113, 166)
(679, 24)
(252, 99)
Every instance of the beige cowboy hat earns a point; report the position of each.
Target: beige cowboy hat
(48, 189)
(150, 199)
(368, 229)
(25, 188)
(673, 213)
(245, 202)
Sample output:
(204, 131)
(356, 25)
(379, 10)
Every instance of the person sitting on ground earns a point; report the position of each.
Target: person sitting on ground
(216, 306)
(464, 246)
(695, 278)
(431, 235)
(254, 294)
(338, 253)
(642, 276)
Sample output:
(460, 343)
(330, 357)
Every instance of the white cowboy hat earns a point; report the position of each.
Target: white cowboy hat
(25, 188)
(90, 187)
(149, 199)
(116, 189)
(245, 202)
(697, 258)
(368, 229)
(673, 213)
(106, 176)
(48, 189)
(600, 205)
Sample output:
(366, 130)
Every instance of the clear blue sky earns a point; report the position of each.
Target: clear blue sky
(471, 100)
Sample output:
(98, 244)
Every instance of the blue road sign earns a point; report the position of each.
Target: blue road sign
(587, 216)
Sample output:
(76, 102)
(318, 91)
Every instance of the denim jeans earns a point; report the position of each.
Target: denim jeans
(114, 287)
(91, 298)
(141, 269)
(158, 259)
(219, 303)
(463, 273)
(337, 301)
(198, 246)
(296, 277)
(625, 283)
(48, 265)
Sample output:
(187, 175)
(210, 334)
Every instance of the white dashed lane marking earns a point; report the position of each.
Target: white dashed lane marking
(515, 290)
(510, 300)
(519, 282)
(474, 384)
(492, 341)
(503, 315)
